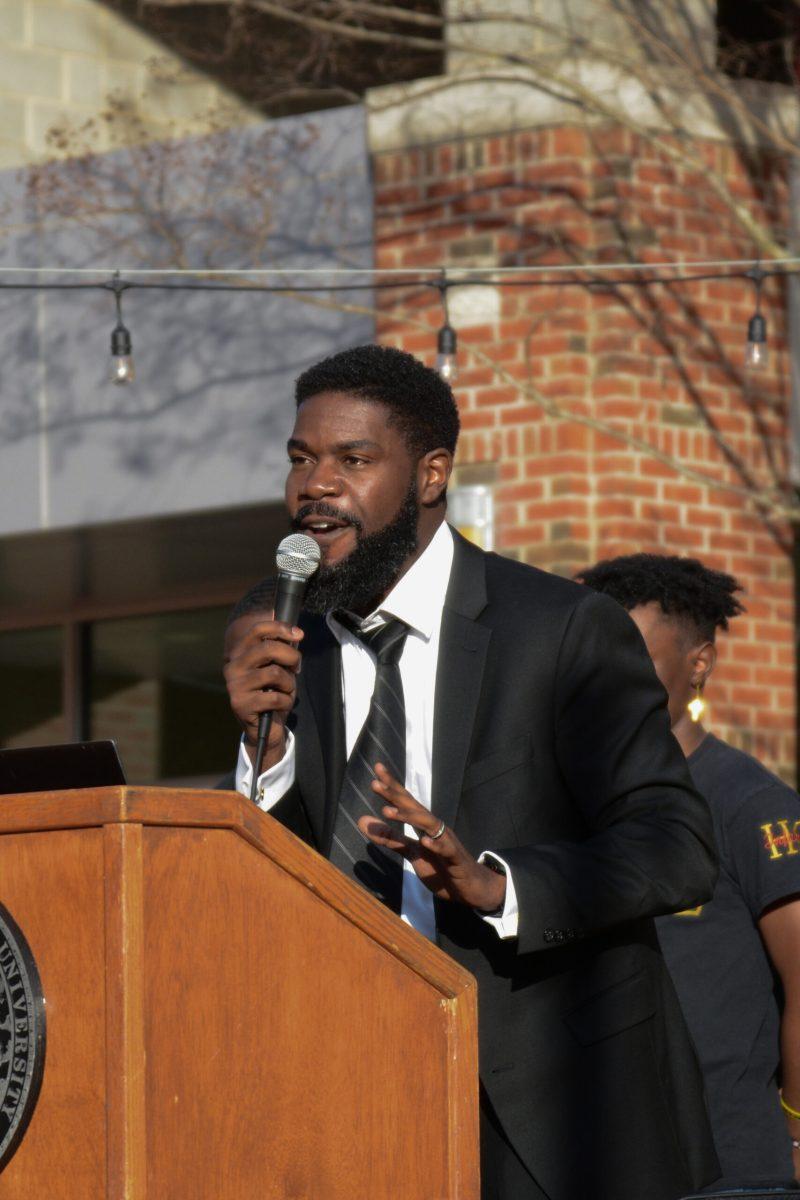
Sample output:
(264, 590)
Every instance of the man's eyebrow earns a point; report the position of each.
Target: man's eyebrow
(358, 444)
(341, 447)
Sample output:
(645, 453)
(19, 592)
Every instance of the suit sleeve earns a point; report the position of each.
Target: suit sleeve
(284, 803)
(650, 847)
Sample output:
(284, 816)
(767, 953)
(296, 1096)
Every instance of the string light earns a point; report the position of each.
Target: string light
(123, 371)
(446, 342)
(756, 355)
(592, 276)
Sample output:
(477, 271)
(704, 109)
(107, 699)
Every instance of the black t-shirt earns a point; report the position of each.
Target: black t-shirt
(720, 968)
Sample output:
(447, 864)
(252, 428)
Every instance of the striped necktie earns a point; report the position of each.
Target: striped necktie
(382, 739)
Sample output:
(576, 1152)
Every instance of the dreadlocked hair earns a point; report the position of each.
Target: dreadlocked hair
(683, 587)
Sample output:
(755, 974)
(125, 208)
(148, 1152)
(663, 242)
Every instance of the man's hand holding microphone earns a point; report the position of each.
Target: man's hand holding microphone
(261, 669)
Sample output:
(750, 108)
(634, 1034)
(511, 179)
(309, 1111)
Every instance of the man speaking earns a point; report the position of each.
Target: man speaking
(486, 748)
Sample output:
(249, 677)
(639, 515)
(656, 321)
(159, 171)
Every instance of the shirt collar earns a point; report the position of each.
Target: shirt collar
(418, 596)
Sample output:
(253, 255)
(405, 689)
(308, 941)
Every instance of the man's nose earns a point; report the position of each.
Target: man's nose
(321, 481)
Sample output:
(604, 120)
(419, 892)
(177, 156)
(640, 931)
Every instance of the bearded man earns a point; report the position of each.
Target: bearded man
(486, 748)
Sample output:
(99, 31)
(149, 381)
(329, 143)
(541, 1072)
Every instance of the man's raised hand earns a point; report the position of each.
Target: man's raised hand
(442, 863)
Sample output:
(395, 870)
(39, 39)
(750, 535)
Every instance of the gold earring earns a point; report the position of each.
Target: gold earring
(697, 706)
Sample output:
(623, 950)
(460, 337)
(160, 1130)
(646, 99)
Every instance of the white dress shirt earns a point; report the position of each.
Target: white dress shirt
(418, 600)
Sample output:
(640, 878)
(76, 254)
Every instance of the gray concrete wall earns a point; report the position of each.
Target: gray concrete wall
(205, 423)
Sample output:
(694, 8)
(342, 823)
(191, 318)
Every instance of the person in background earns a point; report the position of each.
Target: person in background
(735, 961)
(257, 602)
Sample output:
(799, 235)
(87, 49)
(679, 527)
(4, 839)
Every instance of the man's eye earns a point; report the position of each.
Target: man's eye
(297, 459)
(353, 460)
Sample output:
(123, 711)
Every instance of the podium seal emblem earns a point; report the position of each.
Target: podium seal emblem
(22, 1035)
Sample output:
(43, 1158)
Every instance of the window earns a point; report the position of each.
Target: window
(115, 631)
(32, 696)
(155, 685)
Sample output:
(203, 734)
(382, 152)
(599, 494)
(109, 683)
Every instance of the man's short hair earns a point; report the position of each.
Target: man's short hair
(422, 403)
(259, 599)
(684, 588)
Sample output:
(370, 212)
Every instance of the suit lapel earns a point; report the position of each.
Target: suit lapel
(463, 647)
(322, 687)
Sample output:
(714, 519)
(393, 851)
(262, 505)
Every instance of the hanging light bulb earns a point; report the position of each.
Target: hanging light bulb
(446, 356)
(756, 354)
(446, 342)
(122, 368)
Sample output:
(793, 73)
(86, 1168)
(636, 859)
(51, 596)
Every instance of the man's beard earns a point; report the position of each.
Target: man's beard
(361, 580)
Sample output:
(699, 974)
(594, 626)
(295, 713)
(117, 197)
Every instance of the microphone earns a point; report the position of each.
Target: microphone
(297, 558)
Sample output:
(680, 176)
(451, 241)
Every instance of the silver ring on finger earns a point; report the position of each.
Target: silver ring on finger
(435, 836)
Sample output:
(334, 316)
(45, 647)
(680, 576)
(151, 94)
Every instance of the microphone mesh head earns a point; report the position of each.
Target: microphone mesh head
(298, 555)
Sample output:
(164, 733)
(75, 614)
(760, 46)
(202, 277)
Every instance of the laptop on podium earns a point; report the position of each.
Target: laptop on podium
(56, 768)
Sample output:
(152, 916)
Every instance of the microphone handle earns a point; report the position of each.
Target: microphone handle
(288, 602)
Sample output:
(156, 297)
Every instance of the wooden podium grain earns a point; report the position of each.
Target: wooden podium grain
(228, 1017)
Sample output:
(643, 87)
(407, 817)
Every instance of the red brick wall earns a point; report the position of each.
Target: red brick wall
(662, 365)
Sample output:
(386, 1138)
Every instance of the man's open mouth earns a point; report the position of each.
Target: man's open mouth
(324, 529)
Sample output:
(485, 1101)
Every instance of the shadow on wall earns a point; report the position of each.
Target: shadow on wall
(205, 423)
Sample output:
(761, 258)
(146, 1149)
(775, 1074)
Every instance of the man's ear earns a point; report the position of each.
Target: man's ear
(704, 660)
(434, 471)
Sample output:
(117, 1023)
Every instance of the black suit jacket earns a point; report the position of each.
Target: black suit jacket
(552, 747)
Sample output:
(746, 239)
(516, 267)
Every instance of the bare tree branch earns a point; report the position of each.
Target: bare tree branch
(341, 28)
(676, 147)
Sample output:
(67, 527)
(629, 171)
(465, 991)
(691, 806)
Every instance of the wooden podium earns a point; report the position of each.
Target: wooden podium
(227, 1016)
